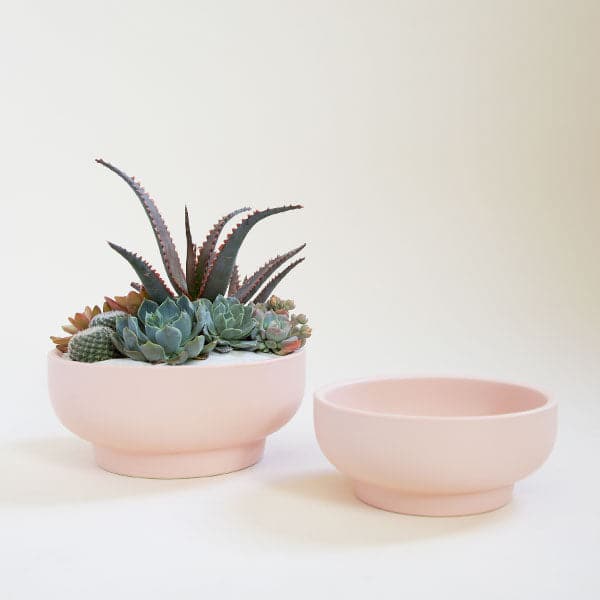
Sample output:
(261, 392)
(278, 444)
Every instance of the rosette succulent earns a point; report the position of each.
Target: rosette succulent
(278, 332)
(229, 324)
(167, 333)
(130, 303)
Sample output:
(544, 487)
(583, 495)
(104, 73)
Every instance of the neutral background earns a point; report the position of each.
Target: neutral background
(447, 154)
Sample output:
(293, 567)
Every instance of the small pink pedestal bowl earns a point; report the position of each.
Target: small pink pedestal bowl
(202, 418)
(434, 447)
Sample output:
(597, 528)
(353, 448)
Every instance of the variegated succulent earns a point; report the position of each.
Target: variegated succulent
(167, 333)
(210, 271)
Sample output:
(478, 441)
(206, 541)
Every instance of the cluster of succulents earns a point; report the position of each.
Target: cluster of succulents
(277, 331)
(210, 307)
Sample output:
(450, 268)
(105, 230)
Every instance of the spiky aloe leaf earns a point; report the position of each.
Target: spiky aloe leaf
(252, 284)
(190, 263)
(208, 247)
(151, 280)
(218, 271)
(264, 294)
(234, 282)
(167, 248)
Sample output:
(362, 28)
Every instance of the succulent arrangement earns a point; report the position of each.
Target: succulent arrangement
(208, 305)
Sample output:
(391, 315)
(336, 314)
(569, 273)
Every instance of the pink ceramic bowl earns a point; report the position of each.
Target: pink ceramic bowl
(435, 447)
(202, 418)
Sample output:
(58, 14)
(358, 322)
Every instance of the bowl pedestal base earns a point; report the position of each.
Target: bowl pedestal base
(179, 465)
(432, 505)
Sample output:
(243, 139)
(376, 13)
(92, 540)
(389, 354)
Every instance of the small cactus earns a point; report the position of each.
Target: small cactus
(92, 345)
(82, 320)
(107, 319)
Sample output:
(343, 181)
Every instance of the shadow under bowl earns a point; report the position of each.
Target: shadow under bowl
(434, 446)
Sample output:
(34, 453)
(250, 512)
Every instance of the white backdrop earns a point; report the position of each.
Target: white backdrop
(447, 157)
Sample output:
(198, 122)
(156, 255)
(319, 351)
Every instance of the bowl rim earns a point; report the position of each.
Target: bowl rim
(55, 355)
(320, 396)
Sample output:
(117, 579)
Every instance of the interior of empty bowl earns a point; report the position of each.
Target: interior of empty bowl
(434, 397)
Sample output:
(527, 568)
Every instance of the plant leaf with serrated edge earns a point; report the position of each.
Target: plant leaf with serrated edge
(166, 246)
(254, 281)
(208, 247)
(190, 262)
(264, 294)
(234, 282)
(155, 286)
(218, 271)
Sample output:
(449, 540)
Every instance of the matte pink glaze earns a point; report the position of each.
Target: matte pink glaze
(168, 422)
(435, 447)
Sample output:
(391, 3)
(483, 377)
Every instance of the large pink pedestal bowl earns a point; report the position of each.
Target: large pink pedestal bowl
(202, 418)
(435, 447)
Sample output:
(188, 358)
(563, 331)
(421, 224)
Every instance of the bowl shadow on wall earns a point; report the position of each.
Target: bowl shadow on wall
(61, 470)
(320, 508)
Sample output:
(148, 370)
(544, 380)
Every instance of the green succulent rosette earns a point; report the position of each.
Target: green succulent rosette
(278, 332)
(170, 332)
(229, 324)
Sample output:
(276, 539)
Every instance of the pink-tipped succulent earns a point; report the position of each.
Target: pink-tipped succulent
(210, 269)
(277, 331)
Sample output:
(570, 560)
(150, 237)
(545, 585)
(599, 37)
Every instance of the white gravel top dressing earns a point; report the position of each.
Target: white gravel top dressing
(235, 357)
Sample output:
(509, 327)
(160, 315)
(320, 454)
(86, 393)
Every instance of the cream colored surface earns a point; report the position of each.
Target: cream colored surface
(447, 155)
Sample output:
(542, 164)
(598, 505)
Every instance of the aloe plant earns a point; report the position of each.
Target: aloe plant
(210, 270)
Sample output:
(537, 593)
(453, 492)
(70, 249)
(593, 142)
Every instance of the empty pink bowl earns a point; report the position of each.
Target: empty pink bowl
(435, 446)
